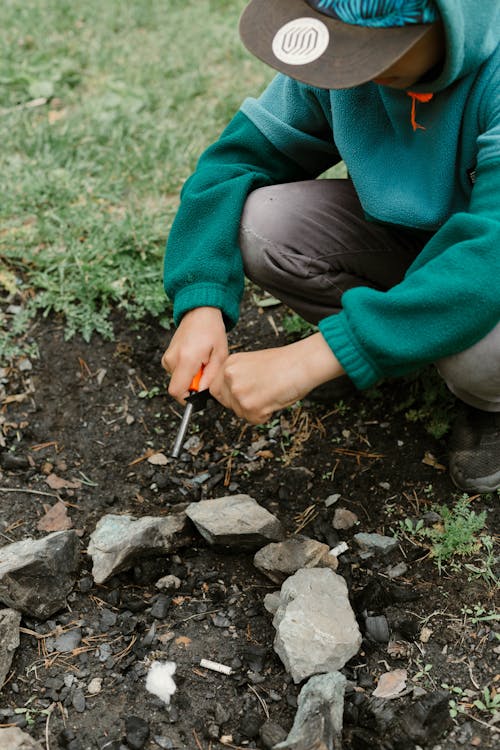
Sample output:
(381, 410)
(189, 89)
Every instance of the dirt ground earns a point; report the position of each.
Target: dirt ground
(92, 414)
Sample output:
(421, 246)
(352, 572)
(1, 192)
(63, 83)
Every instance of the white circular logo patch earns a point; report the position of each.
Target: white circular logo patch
(301, 41)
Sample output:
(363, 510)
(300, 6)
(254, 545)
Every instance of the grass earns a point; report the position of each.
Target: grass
(104, 109)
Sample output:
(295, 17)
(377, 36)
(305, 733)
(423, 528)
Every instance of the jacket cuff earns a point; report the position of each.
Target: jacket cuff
(207, 295)
(342, 342)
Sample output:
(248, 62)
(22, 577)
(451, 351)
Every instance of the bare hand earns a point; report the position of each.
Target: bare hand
(199, 340)
(255, 384)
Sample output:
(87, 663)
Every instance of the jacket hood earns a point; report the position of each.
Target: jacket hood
(472, 30)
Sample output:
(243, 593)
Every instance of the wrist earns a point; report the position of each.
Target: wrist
(317, 361)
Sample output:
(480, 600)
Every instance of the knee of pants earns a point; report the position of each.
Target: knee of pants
(475, 371)
(266, 222)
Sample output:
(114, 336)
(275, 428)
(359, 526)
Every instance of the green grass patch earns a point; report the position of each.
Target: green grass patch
(104, 110)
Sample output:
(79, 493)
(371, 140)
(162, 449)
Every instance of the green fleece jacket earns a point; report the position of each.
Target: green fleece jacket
(445, 179)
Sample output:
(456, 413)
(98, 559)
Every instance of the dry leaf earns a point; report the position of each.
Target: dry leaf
(55, 519)
(391, 684)
(183, 640)
(431, 460)
(57, 483)
(265, 454)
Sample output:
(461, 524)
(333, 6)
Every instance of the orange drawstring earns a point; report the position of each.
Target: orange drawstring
(420, 98)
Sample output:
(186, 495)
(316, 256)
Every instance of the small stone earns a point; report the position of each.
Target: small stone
(396, 571)
(12, 738)
(10, 621)
(280, 560)
(235, 521)
(250, 725)
(271, 734)
(78, 701)
(376, 543)
(95, 686)
(136, 731)
(160, 607)
(377, 628)
(318, 722)
(67, 642)
(344, 519)
(168, 583)
(332, 499)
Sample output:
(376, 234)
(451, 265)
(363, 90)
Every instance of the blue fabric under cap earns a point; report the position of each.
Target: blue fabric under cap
(378, 13)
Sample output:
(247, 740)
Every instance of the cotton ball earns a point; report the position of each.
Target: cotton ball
(159, 680)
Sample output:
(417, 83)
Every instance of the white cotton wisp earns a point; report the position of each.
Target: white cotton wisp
(159, 680)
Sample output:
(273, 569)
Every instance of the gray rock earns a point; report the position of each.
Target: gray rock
(282, 559)
(376, 543)
(12, 738)
(68, 641)
(235, 521)
(9, 640)
(318, 722)
(377, 628)
(271, 734)
(37, 575)
(316, 630)
(119, 542)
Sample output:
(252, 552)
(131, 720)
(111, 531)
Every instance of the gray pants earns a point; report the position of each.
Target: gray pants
(308, 242)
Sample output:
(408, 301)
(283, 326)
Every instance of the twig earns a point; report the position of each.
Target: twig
(39, 102)
(261, 700)
(198, 743)
(49, 714)
(30, 492)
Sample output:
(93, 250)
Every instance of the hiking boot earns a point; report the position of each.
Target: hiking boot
(475, 450)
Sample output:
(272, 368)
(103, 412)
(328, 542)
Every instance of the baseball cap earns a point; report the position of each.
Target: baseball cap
(334, 44)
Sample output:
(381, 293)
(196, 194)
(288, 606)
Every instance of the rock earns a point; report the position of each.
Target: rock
(66, 642)
(271, 734)
(160, 607)
(78, 701)
(377, 628)
(119, 542)
(280, 560)
(37, 575)
(250, 725)
(396, 571)
(137, 732)
(376, 543)
(12, 738)
(9, 640)
(344, 519)
(235, 521)
(318, 722)
(316, 630)
(168, 583)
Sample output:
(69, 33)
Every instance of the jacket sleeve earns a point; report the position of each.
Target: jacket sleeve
(450, 297)
(282, 137)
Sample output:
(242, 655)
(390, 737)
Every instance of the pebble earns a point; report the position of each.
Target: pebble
(332, 499)
(136, 731)
(271, 734)
(377, 628)
(168, 583)
(161, 607)
(78, 701)
(344, 519)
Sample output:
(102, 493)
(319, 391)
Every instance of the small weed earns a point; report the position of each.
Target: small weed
(490, 701)
(429, 402)
(479, 614)
(454, 536)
